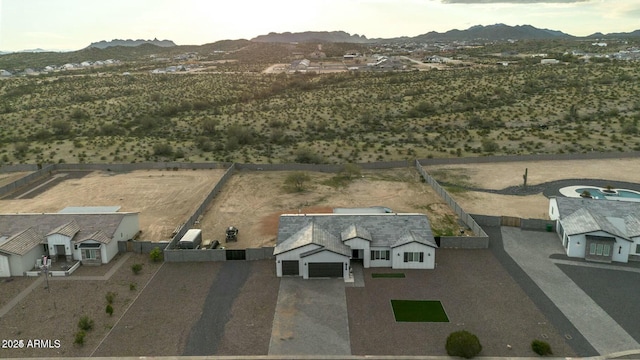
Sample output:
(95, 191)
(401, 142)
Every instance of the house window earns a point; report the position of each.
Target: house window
(592, 249)
(606, 250)
(638, 249)
(380, 254)
(90, 254)
(414, 257)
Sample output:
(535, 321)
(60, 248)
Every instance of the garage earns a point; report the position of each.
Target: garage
(333, 269)
(4, 266)
(290, 267)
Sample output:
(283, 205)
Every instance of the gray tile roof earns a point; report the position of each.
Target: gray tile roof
(69, 229)
(384, 229)
(22, 242)
(355, 231)
(580, 216)
(311, 233)
(44, 224)
(98, 236)
(409, 237)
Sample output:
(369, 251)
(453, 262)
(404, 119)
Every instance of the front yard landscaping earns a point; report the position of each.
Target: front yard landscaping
(419, 311)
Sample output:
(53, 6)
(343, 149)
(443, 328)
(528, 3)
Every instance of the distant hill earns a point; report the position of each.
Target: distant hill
(312, 36)
(493, 33)
(600, 35)
(131, 43)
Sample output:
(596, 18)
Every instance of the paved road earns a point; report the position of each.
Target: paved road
(531, 250)
(311, 318)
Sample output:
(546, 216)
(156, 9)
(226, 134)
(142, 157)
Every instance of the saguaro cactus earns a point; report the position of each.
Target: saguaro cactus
(526, 172)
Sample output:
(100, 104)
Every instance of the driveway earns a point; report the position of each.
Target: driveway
(310, 318)
(532, 251)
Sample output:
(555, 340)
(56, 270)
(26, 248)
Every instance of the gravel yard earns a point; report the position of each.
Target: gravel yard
(54, 314)
(477, 294)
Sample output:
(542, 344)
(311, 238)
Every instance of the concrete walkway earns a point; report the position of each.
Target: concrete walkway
(531, 250)
(357, 275)
(104, 277)
(310, 318)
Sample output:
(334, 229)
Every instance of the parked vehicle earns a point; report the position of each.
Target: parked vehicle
(191, 239)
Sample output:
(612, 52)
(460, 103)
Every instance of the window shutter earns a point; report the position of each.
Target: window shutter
(421, 257)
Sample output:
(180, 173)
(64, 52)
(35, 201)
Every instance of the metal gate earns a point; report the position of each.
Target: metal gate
(236, 254)
(510, 221)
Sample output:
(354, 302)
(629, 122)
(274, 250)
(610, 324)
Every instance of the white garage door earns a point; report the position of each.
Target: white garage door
(4, 266)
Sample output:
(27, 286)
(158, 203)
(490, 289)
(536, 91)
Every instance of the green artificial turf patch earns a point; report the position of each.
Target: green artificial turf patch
(388, 275)
(418, 311)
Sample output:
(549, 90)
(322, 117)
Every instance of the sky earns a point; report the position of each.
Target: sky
(74, 24)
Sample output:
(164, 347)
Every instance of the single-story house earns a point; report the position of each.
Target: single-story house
(323, 245)
(596, 229)
(90, 238)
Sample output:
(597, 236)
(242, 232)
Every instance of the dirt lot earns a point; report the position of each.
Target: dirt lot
(253, 202)
(501, 175)
(165, 199)
(11, 177)
(54, 315)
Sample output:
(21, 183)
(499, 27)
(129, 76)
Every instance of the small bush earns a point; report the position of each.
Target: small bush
(85, 323)
(109, 309)
(79, 339)
(156, 254)
(110, 297)
(136, 268)
(132, 286)
(541, 348)
(463, 344)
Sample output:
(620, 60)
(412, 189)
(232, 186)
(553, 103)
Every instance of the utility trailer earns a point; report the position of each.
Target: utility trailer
(191, 239)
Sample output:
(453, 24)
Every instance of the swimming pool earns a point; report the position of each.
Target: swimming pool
(597, 193)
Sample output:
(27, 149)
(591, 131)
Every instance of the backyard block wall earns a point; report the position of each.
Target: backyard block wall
(480, 241)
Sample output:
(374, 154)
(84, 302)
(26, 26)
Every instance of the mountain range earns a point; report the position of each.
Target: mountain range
(495, 32)
(117, 42)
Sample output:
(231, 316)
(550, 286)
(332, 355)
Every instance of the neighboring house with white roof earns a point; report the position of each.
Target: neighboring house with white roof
(597, 230)
(323, 245)
(91, 238)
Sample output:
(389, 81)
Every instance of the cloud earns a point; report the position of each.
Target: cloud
(511, 1)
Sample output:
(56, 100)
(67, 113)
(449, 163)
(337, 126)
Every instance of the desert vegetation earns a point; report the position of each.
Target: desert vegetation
(239, 114)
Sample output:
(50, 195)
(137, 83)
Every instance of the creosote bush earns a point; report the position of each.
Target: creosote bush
(136, 268)
(79, 338)
(85, 323)
(110, 296)
(156, 254)
(463, 344)
(541, 348)
(109, 309)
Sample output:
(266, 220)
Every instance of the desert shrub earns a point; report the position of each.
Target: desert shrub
(350, 171)
(463, 344)
(132, 286)
(541, 348)
(308, 156)
(110, 296)
(156, 254)
(136, 268)
(85, 323)
(79, 338)
(489, 145)
(296, 181)
(162, 149)
(109, 309)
